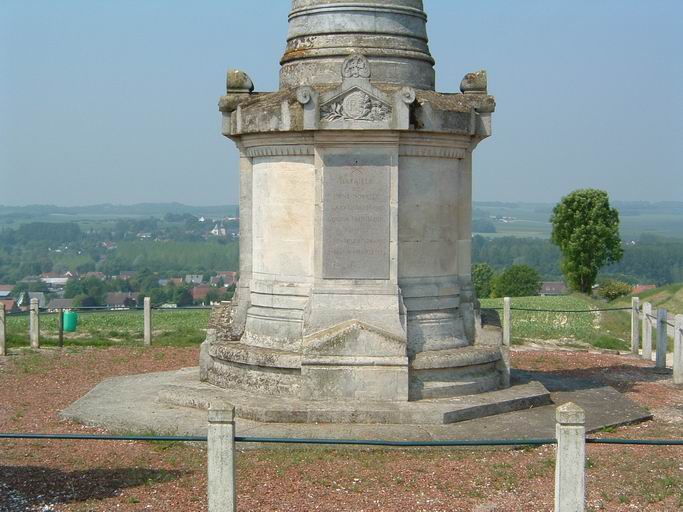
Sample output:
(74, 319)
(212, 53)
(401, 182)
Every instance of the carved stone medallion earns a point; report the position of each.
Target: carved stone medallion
(356, 66)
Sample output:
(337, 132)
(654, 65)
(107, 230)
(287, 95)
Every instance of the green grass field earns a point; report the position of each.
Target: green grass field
(602, 329)
(182, 327)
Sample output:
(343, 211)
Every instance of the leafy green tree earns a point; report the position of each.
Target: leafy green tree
(586, 229)
(482, 274)
(516, 281)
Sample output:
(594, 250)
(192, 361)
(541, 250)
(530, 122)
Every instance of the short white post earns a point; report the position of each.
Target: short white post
(647, 331)
(34, 324)
(3, 335)
(662, 338)
(678, 350)
(148, 321)
(506, 321)
(221, 458)
(570, 463)
(635, 324)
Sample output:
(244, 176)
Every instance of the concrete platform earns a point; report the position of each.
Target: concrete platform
(132, 404)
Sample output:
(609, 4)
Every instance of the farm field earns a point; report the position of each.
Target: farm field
(98, 476)
(171, 327)
(532, 219)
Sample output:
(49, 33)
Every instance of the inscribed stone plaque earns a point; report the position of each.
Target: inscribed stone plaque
(356, 194)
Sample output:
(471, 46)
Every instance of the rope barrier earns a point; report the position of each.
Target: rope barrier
(568, 310)
(352, 442)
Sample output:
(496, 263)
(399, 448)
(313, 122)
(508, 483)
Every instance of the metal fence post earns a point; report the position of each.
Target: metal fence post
(34, 324)
(221, 458)
(662, 338)
(148, 321)
(635, 327)
(570, 486)
(647, 331)
(506, 321)
(678, 350)
(3, 335)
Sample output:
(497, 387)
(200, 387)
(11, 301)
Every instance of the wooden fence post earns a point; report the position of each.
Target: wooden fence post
(570, 463)
(507, 327)
(3, 335)
(148, 321)
(678, 350)
(635, 327)
(647, 331)
(662, 338)
(34, 323)
(221, 458)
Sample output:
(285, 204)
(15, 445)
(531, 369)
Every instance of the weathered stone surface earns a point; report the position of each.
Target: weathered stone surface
(392, 34)
(355, 207)
(356, 216)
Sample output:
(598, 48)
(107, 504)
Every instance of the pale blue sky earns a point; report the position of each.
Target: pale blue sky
(115, 101)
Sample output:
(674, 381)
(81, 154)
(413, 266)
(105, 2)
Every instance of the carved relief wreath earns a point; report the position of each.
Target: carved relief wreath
(355, 106)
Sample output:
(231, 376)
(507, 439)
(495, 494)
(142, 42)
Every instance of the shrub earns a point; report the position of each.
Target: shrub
(612, 289)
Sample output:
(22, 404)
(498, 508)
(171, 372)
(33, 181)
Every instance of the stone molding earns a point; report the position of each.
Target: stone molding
(279, 150)
(431, 151)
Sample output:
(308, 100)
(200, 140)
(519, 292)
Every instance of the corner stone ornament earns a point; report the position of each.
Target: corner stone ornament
(356, 66)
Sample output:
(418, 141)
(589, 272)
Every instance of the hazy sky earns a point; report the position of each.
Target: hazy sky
(116, 101)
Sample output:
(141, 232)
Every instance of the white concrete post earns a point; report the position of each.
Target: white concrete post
(570, 481)
(34, 324)
(3, 336)
(506, 321)
(647, 331)
(635, 324)
(221, 458)
(678, 350)
(148, 321)
(662, 338)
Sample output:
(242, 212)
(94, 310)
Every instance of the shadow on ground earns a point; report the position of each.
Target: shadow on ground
(623, 377)
(24, 488)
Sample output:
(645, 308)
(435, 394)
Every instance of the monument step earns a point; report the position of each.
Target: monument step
(454, 357)
(444, 389)
(183, 389)
(241, 353)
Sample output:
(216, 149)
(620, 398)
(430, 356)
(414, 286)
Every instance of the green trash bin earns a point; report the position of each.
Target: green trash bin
(70, 321)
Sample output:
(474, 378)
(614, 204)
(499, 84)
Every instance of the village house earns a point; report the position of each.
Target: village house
(25, 300)
(121, 300)
(10, 305)
(553, 288)
(56, 280)
(57, 304)
(194, 278)
(6, 290)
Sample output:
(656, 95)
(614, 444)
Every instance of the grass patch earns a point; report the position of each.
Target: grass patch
(177, 328)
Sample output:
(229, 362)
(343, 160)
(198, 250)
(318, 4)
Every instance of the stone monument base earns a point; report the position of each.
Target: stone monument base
(131, 403)
(185, 390)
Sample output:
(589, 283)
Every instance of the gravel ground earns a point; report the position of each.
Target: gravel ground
(104, 476)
